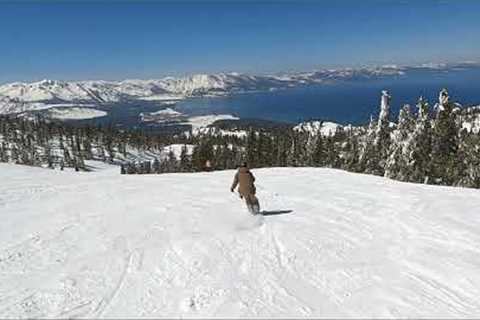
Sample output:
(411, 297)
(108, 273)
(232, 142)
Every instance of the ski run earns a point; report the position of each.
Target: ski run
(331, 244)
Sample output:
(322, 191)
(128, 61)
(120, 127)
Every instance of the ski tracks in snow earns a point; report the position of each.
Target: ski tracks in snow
(179, 245)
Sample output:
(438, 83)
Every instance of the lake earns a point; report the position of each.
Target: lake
(343, 102)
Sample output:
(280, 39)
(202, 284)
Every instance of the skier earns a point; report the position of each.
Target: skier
(208, 166)
(246, 188)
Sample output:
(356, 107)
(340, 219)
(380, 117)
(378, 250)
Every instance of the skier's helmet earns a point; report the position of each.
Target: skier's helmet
(244, 164)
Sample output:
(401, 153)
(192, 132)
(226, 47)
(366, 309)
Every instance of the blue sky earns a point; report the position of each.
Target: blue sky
(147, 39)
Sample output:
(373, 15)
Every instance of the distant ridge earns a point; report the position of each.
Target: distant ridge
(23, 96)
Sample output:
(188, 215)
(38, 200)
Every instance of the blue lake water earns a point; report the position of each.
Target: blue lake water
(344, 102)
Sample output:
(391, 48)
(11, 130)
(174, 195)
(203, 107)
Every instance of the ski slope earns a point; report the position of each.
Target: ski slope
(104, 245)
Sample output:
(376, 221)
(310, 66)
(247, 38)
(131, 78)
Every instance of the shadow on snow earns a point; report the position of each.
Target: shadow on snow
(275, 212)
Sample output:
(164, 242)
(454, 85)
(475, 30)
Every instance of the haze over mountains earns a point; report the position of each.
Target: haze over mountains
(21, 96)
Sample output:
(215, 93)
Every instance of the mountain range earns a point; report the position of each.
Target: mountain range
(22, 96)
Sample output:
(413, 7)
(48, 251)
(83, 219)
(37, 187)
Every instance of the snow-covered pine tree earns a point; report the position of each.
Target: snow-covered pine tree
(318, 153)
(397, 161)
(156, 165)
(223, 156)
(418, 149)
(382, 134)
(349, 152)
(468, 160)
(185, 164)
(172, 162)
(3, 152)
(281, 141)
(368, 157)
(251, 148)
(332, 159)
(444, 144)
(292, 150)
(202, 153)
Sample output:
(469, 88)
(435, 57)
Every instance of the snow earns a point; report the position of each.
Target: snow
(100, 244)
(17, 97)
(161, 116)
(473, 126)
(162, 97)
(325, 128)
(220, 132)
(75, 113)
(199, 122)
(177, 150)
(167, 111)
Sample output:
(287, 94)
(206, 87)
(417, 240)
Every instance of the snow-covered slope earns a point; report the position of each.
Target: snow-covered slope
(75, 113)
(181, 245)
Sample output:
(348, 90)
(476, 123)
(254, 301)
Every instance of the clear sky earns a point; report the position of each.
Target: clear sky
(147, 39)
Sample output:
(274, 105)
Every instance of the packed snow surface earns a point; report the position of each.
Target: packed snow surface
(101, 244)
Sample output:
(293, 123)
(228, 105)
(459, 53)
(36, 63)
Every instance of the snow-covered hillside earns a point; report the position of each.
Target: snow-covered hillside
(75, 113)
(101, 244)
(20, 96)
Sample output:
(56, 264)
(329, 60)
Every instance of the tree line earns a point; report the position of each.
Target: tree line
(40, 142)
(425, 144)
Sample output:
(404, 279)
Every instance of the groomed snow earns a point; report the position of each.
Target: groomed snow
(101, 244)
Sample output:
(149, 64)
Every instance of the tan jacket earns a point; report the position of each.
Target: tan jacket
(244, 179)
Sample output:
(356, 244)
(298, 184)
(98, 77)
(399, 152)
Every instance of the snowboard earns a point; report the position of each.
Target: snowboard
(254, 208)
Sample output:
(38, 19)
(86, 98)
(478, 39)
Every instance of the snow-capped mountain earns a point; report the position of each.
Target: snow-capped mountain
(20, 96)
(114, 91)
(84, 91)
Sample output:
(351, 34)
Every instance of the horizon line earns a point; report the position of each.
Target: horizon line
(429, 64)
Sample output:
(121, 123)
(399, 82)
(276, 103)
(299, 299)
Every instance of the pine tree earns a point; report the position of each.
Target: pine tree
(251, 148)
(468, 160)
(350, 152)
(397, 162)
(156, 166)
(419, 147)
(185, 165)
(445, 145)
(318, 157)
(332, 160)
(368, 156)
(382, 136)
